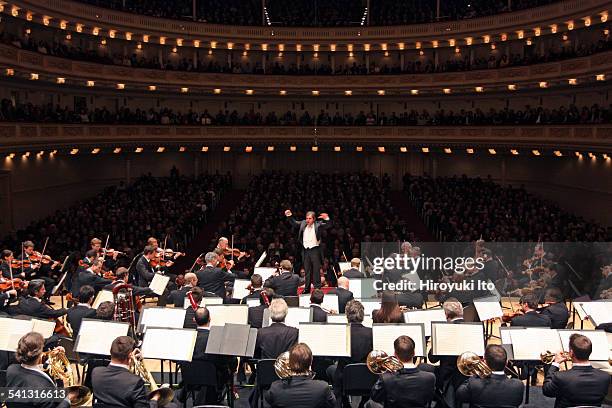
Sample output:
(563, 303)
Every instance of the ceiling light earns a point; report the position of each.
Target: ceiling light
(315, 148)
(270, 148)
(469, 150)
(204, 148)
(248, 149)
(33, 76)
(447, 150)
(61, 80)
(479, 89)
(492, 151)
(138, 150)
(90, 83)
(184, 90)
(249, 92)
(558, 153)
(182, 149)
(514, 152)
(359, 148)
(152, 88)
(414, 91)
(381, 149)
(535, 152)
(120, 86)
(600, 77)
(74, 151)
(572, 81)
(315, 93)
(226, 148)
(337, 148)
(425, 149)
(117, 150)
(348, 92)
(95, 150)
(161, 149)
(512, 87)
(293, 148)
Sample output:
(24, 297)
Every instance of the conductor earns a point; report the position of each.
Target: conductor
(309, 237)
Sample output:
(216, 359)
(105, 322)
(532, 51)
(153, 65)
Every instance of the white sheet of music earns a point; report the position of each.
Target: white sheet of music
(44, 327)
(344, 266)
(450, 339)
(96, 336)
(159, 283)
(264, 272)
(488, 308)
(240, 288)
(504, 333)
(362, 288)
(330, 301)
(425, 316)
(529, 343)
(155, 344)
(599, 340)
(162, 317)
(103, 296)
(207, 301)
(11, 330)
(297, 315)
(385, 334)
(370, 306)
(326, 339)
(337, 319)
(579, 310)
(221, 314)
(252, 302)
(599, 312)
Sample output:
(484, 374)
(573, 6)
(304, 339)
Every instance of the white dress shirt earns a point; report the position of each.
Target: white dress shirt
(310, 237)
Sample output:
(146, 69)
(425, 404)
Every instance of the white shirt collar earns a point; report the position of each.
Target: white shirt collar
(409, 365)
(498, 372)
(85, 305)
(207, 328)
(119, 365)
(457, 318)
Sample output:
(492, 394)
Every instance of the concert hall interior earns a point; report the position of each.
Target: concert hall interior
(305, 203)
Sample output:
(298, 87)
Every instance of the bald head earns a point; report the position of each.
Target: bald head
(343, 282)
(191, 278)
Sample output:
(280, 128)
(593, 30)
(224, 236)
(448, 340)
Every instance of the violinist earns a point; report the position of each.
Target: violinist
(530, 316)
(211, 278)
(144, 270)
(286, 282)
(555, 308)
(255, 288)
(7, 261)
(177, 296)
(33, 305)
(110, 256)
(82, 310)
(227, 251)
(90, 276)
(121, 276)
(39, 266)
(256, 313)
(6, 298)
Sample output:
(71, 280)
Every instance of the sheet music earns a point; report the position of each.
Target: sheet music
(159, 283)
(103, 296)
(504, 333)
(488, 308)
(449, 339)
(207, 301)
(60, 283)
(162, 317)
(341, 319)
(221, 314)
(582, 315)
(369, 306)
(260, 260)
(264, 272)
(330, 301)
(240, 288)
(344, 266)
(156, 344)
(599, 312)
(44, 327)
(362, 288)
(425, 316)
(296, 315)
(252, 302)
(11, 330)
(599, 340)
(385, 334)
(326, 339)
(96, 336)
(529, 343)
(494, 292)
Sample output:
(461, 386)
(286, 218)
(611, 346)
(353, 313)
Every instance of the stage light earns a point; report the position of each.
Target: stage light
(63, 24)
(337, 148)
(414, 91)
(152, 88)
(315, 93)
(479, 89)
(249, 92)
(33, 77)
(46, 20)
(543, 84)
(95, 150)
(359, 148)
(514, 152)
(226, 148)
(117, 150)
(600, 77)
(403, 149)
(469, 40)
(270, 148)
(469, 150)
(520, 34)
(90, 83)
(196, 43)
(293, 148)
(128, 36)
(558, 153)
(381, 92)
(184, 90)
(182, 149)
(447, 150)
(248, 149)
(315, 148)
(138, 150)
(74, 151)
(572, 81)
(446, 90)
(425, 149)
(570, 25)
(120, 86)
(61, 80)
(348, 92)
(553, 28)
(536, 152)
(161, 149)
(282, 92)
(162, 40)
(10, 72)
(204, 148)
(492, 151)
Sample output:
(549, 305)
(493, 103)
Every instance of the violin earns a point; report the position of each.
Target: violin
(507, 317)
(38, 258)
(8, 284)
(236, 253)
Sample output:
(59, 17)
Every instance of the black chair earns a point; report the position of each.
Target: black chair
(266, 375)
(357, 380)
(198, 376)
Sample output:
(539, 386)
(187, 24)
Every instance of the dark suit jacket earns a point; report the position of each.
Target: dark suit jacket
(318, 226)
(318, 315)
(30, 306)
(144, 271)
(285, 284)
(531, 319)
(177, 296)
(199, 351)
(353, 273)
(410, 299)
(300, 392)
(274, 340)
(582, 385)
(447, 370)
(189, 322)
(496, 391)
(19, 377)
(408, 387)
(136, 290)
(361, 345)
(256, 316)
(213, 280)
(76, 315)
(86, 277)
(344, 296)
(558, 314)
(116, 387)
(254, 295)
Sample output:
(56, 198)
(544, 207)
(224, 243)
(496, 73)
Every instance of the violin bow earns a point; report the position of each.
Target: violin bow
(22, 258)
(344, 255)
(105, 247)
(232, 258)
(11, 273)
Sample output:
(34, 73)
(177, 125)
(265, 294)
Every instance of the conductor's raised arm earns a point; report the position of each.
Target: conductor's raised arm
(291, 219)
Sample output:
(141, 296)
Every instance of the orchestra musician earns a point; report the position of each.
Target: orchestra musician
(121, 276)
(91, 276)
(177, 296)
(276, 338)
(309, 236)
(41, 266)
(82, 310)
(606, 282)
(343, 293)
(114, 385)
(555, 308)
(33, 305)
(6, 259)
(355, 271)
(389, 311)
(286, 283)
(496, 390)
(28, 374)
(211, 278)
(255, 288)
(144, 270)
(319, 314)
(6, 298)
(530, 316)
(361, 345)
(110, 257)
(408, 387)
(197, 294)
(300, 390)
(256, 313)
(582, 385)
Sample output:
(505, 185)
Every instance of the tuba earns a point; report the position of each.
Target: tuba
(59, 368)
(470, 364)
(137, 367)
(282, 369)
(548, 357)
(379, 362)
